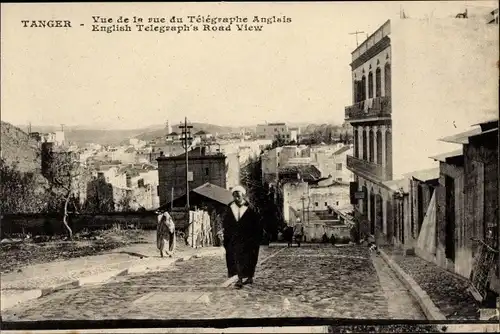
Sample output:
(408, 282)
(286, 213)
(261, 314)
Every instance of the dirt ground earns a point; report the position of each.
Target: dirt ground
(20, 253)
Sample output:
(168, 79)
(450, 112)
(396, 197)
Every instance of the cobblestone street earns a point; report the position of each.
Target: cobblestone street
(291, 282)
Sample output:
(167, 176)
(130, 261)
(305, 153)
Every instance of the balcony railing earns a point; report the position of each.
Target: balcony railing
(371, 108)
(367, 169)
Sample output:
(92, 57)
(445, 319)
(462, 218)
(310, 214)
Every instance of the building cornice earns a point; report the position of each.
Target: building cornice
(192, 158)
(371, 52)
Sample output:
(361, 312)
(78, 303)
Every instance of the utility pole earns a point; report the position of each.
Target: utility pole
(303, 209)
(172, 200)
(357, 33)
(186, 133)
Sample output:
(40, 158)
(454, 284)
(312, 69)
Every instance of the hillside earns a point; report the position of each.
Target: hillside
(16, 147)
(103, 137)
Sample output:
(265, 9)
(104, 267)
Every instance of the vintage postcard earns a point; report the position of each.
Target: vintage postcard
(249, 167)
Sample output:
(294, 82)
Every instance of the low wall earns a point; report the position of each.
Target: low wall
(314, 230)
(51, 224)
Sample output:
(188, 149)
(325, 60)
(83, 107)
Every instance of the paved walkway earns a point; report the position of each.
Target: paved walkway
(45, 275)
(396, 294)
(446, 290)
(292, 282)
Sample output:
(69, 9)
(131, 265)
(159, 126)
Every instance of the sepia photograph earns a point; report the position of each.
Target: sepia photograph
(250, 167)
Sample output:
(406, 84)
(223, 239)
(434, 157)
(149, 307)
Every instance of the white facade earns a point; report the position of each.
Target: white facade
(173, 136)
(415, 81)
(331, 160)
(302, 197)
(270, 164)
(271, 130)
(114, 178)
(442, 81)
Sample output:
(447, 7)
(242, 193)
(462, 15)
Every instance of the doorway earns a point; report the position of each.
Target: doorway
(420, 208)
(372, 214)
(379, 215)
(450, 218)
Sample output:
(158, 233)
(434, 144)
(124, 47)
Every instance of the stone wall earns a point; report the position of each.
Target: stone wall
(481, 194)
(315, 230)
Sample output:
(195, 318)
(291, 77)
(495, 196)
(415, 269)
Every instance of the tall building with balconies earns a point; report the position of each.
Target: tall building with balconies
(414, 81)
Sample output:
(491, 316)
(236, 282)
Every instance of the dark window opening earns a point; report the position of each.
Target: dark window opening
(378, 82)
(365, 151)
(356, 144)
(371, 142)
(370, 85)
(420, 206)
(363, 88)
(387, 83)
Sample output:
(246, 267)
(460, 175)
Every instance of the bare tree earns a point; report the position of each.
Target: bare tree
(67, 178)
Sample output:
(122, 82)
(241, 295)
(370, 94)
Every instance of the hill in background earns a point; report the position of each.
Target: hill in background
(18, 148)
(85, 135)
(82, 136)
(210, 128)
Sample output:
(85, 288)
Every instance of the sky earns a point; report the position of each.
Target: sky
(291, 72)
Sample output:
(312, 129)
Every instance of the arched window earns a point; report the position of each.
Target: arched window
(365, 151)
(371, 143)
(370, 85)
(356, 143)
(358, 91)
(355, 90)
(378, 82)
(379, 147)
(388, 153)
(363, 88)
(387, 74)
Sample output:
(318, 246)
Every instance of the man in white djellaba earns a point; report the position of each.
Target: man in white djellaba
(165, 234)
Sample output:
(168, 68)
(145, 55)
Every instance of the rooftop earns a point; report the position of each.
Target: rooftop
(210, 191)
(396, 185)
(103, 168)
(491, 121)
(448, 155)
(483, 127)
(129, 171)
(201, 132)
(461, 138)
(307, 172)
(342, 150)
(196, 154)
(215, 193)
(424, 174)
